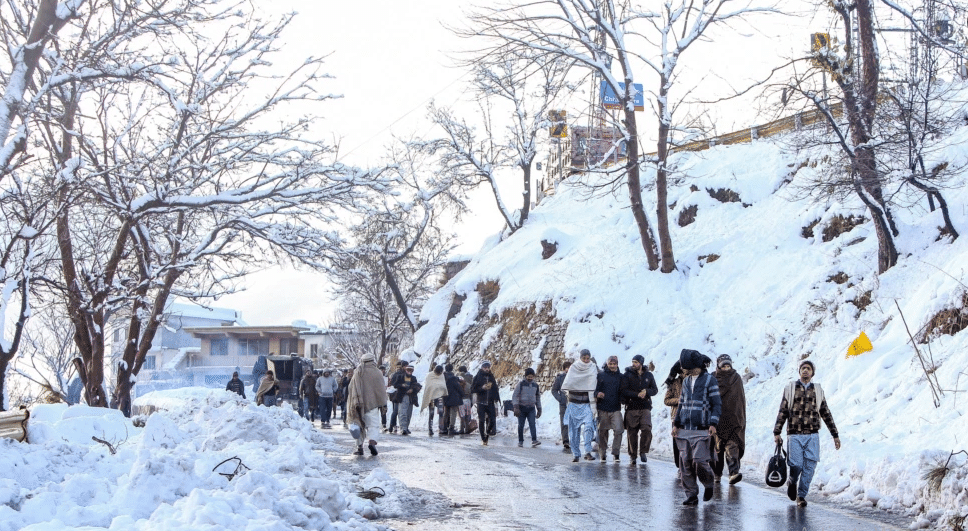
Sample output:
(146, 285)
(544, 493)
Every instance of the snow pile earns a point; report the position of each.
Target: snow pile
(752, 282)
(167, 475)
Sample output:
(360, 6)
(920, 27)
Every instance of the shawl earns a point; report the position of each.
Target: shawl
(732, 422)
(366, 391)
(264, 387)
(581, 376)
(435, 386)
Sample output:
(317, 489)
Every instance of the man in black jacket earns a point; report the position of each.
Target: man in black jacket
(638, 388)
(485, 387)
(236, 385)
(452, 401)
(609, 405)
(395, 399)
(562, 398)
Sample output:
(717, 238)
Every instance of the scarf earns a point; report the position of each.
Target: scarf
(435, 386)
(581, 376)
(264, 387)
(366, 391)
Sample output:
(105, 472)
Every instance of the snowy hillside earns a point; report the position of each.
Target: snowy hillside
(752, 282)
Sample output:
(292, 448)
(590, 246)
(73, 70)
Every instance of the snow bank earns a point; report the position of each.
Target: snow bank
(752, 283)
(167, 475)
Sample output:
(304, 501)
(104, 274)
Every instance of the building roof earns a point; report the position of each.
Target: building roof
(245, 331)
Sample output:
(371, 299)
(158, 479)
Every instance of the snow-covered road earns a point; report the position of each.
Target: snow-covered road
(458, 484)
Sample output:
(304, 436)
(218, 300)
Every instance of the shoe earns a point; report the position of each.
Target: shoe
(566, 446)
(575, 460)
(616, 458)
(589, 457)
(359, 450)
(520, 444)
(373, 449)
(735, 478)
(535, 444)
(603, 458)
(801, 502)
(484, 442)
(707, 494)
(644, 457)
(691, 500)
(431, 433)
(632, 462)
(791, 490)
(405, 432)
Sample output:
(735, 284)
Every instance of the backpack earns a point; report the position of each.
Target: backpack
(776, 470)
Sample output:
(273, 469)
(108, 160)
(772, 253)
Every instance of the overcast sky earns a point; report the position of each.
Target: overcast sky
(389, 59)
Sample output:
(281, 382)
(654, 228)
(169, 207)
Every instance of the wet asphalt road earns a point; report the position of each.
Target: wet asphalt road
(503, 487)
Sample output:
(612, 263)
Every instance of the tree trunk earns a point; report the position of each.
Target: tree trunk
(526, 205)
(661, 185)
(635, 192)
(3, 381)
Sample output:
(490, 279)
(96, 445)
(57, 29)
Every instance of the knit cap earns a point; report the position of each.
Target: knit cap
(639, 358)
(724, 359)
(529, 372)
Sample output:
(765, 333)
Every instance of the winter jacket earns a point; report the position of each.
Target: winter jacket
(396, 398)
(526, 394)
(560, 396)
(699, 405)
(455, 390)
(326, 386)
(467, 381)
(236, 385)
(803, 413)
(343, 390)
(307, 387)
(486, 396)
(609, 383)
(673, 391)
(633, 383)
(407, 385)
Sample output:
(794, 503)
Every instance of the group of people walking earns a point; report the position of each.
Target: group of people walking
(708, 411)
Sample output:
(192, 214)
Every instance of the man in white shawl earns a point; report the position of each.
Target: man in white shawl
(435, 386)
(366, 394)
(580, 384)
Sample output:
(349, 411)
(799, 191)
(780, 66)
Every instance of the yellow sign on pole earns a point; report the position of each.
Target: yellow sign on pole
(559, 125)
(860, 345)
(818, 41)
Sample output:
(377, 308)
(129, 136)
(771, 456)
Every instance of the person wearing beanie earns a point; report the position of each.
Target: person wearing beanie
(673, 389)
(527, 405)
(637, 389)
(802, 407)
(452, 401)
(608, 394)
(695, 425)
(467, 423)
(562, 399)
(395, 398)
(487, 393)
(731, 432)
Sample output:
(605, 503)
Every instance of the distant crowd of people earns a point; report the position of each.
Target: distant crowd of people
(708, 411)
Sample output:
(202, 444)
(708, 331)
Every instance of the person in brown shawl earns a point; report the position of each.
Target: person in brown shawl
(732, 423)
(367, 393)
(266, 395)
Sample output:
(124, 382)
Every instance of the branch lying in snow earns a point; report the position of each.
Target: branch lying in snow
(105, 443)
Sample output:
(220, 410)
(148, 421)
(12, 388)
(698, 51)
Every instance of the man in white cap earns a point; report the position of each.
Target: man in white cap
(580, 384)
(803, 406)
(367, 393)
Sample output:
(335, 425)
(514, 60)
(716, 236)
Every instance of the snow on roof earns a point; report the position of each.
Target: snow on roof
(202, 312)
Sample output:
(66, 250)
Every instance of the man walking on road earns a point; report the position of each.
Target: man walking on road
(407, 390)
(326, 386)
(694, 425)
(487, 393)
(580, 383)
(396, 399)
(452, 402)
(236, 385)
(527, 406)
(562, 399)
(803, 406)
(731, 431)
(367, 393)
(638, 388)
(609, 404)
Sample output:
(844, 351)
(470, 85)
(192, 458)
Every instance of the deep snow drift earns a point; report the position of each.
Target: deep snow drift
(768, 301)
(162, 476)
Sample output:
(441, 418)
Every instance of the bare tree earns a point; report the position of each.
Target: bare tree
(525, 90)
(610, 38)
(178, 176)
(45, 358)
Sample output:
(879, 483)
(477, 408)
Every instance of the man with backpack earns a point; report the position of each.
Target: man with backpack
(802, 407)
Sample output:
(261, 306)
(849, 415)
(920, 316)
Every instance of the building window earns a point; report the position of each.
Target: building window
(149, 363)
(254, 347)
(220, 347)
(118, 335)
(288, 346)
(313, 351)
